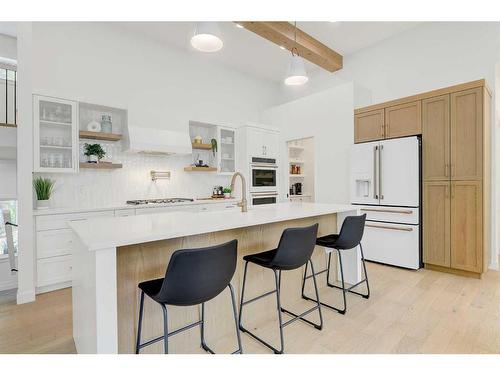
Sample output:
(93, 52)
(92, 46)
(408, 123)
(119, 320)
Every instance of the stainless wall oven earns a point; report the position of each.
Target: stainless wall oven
(264, 175)
(257, 199)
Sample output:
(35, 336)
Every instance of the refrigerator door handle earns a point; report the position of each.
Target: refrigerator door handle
(381, 195)
(375, 172)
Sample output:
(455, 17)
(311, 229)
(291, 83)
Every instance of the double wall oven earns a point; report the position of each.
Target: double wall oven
(264, 181)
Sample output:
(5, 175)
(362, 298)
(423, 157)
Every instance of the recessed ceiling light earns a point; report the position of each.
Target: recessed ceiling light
(240, 26)
(282, 47)
(206, 37)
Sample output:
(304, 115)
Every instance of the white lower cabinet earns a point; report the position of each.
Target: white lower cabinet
(54, 239)
(54, 271)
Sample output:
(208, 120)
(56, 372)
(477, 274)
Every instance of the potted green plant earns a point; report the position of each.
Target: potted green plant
(43, 189)
(94, 152)
(213, 142)
(227, 192)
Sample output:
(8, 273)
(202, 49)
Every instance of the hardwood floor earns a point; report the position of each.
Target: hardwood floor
(409, 312)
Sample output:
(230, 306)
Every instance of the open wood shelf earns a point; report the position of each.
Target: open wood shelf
(199, 169)
(100, 136)
(100, 165)
(202, 146)
(8, 125)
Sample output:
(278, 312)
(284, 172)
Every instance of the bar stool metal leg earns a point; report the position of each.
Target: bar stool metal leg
(367, 295)
(165, 328)
(342, 287)
(202, 328)
(318, 304)
(277, 279)
(235, 314)
(139, 324)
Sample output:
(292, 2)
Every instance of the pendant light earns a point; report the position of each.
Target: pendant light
(207, 37)
(296, 71)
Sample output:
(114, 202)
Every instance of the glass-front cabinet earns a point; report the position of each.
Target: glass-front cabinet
(226, 153)
(55, 135)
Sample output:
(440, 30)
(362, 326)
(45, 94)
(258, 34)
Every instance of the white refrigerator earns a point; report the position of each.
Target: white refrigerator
(385, 183)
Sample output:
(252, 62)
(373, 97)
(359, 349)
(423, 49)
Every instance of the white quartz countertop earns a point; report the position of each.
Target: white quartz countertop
(68, 210)
(109, 232)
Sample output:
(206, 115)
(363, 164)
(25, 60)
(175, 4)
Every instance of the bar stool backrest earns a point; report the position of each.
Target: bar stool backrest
(351, 232)
(295, 247)
(197, 275)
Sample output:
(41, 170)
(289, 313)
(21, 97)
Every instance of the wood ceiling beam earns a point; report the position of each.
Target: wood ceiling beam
(283, 34)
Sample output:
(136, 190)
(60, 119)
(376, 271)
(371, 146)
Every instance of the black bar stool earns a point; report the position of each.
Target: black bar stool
(350, 237)
(294, 250)
(193, 277)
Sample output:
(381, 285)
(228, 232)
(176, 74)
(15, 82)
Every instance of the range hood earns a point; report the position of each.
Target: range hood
(156, 141)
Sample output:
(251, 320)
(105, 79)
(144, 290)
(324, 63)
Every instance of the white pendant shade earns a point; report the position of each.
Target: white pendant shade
(296, 72)
(207, 37)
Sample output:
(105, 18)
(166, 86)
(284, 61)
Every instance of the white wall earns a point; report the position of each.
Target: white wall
(8, 47)
(328, 117)
(161, 87)
(26, 256)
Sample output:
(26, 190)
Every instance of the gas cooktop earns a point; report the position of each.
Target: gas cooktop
(159, 201)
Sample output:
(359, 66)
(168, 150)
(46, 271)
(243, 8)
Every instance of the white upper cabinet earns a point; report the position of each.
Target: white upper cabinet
(262, 143)
(226, 153)
(55, 132)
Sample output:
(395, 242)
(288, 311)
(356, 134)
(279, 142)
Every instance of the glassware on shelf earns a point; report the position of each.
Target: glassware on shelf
(106, 124)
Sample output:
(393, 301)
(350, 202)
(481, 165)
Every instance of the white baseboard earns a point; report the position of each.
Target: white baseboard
(26, 296)
(52, 287)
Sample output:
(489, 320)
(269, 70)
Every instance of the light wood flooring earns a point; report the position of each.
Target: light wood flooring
(409, 312)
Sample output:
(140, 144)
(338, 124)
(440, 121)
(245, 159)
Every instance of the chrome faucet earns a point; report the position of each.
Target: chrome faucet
(243, 203)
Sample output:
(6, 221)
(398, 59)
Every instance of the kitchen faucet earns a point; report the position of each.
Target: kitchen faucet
(243, 203)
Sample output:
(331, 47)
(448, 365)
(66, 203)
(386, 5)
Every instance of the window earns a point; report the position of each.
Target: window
(8, 92)
(11, 206)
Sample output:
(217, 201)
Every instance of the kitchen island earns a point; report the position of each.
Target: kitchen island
(112, 255)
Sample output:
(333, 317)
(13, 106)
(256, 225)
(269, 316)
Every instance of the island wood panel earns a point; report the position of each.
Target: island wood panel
(136, 263)
(403, 120)
(436, 138)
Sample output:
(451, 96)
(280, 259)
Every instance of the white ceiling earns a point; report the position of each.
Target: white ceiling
(251, 54)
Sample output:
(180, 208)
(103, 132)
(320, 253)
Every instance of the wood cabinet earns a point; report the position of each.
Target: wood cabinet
(403, 120)
(369, 126)
(467, 134)
(466, 226)
(455, 123)
(436, 223)
(436, 138)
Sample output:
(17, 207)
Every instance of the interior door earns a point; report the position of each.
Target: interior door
(363, 179)
(436, 138)
(466, 226)
(399, 180)
(436, 218)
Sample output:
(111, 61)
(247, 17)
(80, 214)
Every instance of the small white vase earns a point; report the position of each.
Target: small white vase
(42, 204)
(93, 159)
(227, 195)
